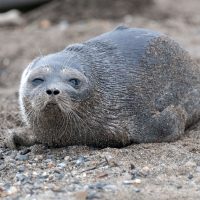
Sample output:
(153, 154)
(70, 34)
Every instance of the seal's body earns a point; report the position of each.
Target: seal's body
(127, 85)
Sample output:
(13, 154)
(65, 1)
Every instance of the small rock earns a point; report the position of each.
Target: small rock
(190, 176)
(93, 195)
(136, 190)
(81, 195)
(198, 169)
(2, 166)
(135, 173)
(48, 160)
(111, 162)
(44, 175)
(99, 186)
(50, 165)
(24, 151)
(61, 165)
(59, 176)
(45, 24)
(35, 174)
(145, 171)
(112, 188)
(190, 164)
(57, 189)
(37, 185)
(66, 158)
(21, 169)
(12, 17)
(63, 25)
(22, 157)
(81, 160)
(102, 175)
(137, 181)
(20, 177)
(1, 156)
(2, 192)
(179, 186)
(12, 190)
(132, 166)
(129, 182)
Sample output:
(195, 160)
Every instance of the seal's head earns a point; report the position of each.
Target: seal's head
(52, 89)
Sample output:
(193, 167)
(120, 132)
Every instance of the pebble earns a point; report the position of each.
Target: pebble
(198, 169)
(12, 190)
(81, 195)
(44, 175)
(21, 169)
(34, 173)
(145, 171)
(24, 151)
(37, 185)
(45, 24)
(12, 17)
(93, 195)
(50, 165)
(67, 158)
(179, 186)
(96, 186)
(81, 160)
(61, 165)
(57, 189)
(132, 166)
(1, 156)
(111, 162)
(190, 176)
(20, 177)
(48, 160)
(136, 190)
(190, 164)
(135, 173)
(112, 188)
(59, 176)
(2, 166)
(63, 25)
(129, 182)
(22, 157)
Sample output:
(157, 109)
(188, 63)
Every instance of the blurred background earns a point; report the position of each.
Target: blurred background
(29, 28)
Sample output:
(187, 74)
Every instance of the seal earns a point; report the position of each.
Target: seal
(126, 86)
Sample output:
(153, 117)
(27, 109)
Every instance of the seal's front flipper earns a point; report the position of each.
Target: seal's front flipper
(18, 137)
(168, 125)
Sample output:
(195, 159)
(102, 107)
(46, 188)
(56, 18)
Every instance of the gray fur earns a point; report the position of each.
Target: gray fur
(138, 86)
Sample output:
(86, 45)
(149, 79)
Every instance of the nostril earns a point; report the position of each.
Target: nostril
(56, 92)
(49, 92)
(53, 92)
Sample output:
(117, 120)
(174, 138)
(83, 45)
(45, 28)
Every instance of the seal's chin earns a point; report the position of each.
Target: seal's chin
(51, 106)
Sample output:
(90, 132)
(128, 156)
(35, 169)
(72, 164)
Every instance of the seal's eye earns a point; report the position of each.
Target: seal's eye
(74, 82)
(37, 81)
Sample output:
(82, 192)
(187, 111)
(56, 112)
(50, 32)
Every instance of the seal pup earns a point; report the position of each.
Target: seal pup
(126, 86)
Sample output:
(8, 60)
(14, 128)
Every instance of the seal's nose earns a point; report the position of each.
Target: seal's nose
(53, 91)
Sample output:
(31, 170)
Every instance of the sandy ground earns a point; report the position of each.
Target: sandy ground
(139, 171)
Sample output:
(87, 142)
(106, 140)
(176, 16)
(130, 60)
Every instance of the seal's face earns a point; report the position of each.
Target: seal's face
(50, 89)
(63, 86)
(53, 82)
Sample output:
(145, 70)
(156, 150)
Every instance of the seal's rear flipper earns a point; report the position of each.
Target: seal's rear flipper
(167, 125)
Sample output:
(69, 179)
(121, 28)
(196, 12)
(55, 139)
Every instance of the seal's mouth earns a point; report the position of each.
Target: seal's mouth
(51, 106)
